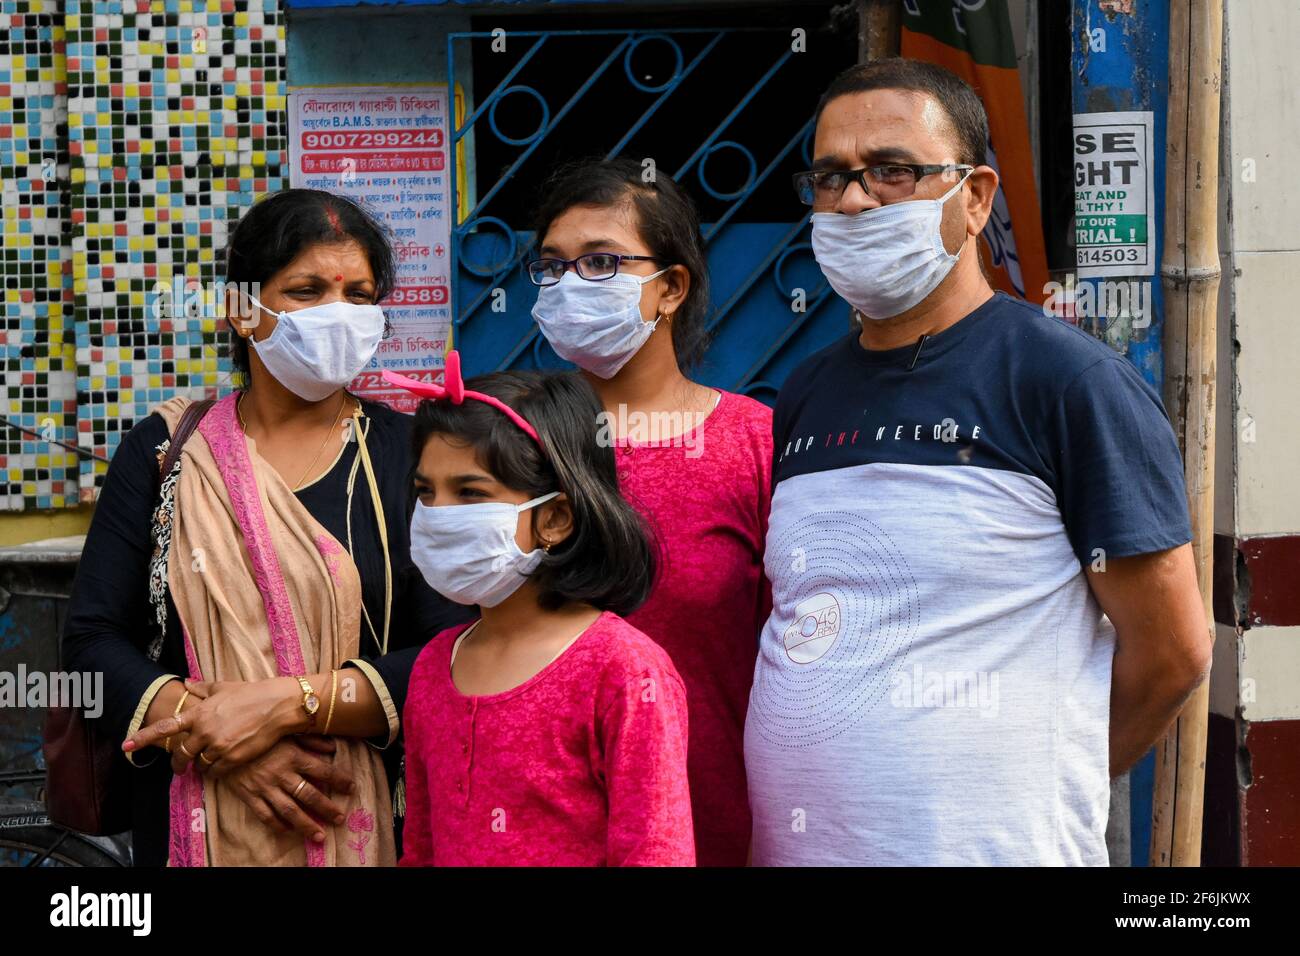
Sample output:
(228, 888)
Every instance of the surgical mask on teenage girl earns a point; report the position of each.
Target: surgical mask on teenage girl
(468, 553)
(314, 352)
(883, 261)
(595, 325)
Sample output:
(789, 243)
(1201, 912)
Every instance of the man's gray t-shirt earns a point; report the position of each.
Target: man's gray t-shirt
(933, 684)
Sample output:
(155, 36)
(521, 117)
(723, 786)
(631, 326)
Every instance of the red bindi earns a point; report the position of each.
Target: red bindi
(338, 278)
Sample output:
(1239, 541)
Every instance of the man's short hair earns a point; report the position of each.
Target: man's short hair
(965, 112)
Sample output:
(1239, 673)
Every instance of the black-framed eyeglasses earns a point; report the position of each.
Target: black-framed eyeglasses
(593, 266)
(886, 182)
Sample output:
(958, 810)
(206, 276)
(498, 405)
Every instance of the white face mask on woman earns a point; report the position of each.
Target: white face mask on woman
(595, 325)
(885, 260)
(316, 351)
(468, 553)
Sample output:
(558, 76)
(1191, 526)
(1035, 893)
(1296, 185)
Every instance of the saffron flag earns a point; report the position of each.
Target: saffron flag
(976, 44)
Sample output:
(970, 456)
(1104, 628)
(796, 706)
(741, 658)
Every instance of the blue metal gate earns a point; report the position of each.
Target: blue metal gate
(771, 305)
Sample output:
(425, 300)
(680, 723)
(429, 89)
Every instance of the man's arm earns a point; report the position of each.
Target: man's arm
(1163, 647)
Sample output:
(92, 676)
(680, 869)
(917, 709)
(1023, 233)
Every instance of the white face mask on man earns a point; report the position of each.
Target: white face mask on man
(468, 553)
(883, 261)
(314, 352)
(596, 325)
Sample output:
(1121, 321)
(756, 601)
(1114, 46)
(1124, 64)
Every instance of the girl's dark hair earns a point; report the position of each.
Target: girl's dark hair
(607, 560)
(278, 228)
(667, 222)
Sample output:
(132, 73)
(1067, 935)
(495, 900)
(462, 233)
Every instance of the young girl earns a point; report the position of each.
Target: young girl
(549, 732)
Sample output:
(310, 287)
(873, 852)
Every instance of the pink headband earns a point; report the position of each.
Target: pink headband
(453, 388)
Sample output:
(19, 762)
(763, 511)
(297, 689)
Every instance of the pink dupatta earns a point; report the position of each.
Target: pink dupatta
(262, 590)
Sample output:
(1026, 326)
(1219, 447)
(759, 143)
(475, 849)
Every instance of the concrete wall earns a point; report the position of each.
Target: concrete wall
(1253, 772)
(370, 45)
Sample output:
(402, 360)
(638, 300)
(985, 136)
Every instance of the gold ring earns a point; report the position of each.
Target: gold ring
(185, 751)
(205, 759)
(301, 783)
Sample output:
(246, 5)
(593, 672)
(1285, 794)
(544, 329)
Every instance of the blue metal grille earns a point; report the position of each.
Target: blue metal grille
(757, 134)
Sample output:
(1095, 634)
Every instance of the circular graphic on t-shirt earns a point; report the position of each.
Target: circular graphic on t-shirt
(845, 611)
(816, 623)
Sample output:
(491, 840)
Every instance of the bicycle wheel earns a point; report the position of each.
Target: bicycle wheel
(50, 846)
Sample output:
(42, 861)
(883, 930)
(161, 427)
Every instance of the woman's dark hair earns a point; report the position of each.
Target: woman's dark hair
(278, 228)
(607, 560)
(666, 221)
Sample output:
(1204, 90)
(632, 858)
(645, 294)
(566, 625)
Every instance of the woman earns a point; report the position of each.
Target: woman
(272, 568)
(624, 296)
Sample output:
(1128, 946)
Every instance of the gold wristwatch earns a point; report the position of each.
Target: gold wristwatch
(310, 702)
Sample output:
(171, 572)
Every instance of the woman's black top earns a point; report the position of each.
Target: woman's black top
(111, 622)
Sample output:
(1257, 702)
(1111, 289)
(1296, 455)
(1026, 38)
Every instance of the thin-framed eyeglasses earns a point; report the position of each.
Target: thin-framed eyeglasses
(593, 266)
(886, 182)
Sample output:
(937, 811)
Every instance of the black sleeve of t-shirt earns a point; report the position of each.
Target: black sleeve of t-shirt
(794, 390)
(1119, 472)
(778, 431)
(109, 622)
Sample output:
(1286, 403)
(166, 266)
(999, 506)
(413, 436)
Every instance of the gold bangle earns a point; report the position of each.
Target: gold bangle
(334, 687)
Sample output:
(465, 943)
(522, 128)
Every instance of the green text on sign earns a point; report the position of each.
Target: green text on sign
(1107, 230)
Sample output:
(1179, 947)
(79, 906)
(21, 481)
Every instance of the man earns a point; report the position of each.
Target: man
(962, 488)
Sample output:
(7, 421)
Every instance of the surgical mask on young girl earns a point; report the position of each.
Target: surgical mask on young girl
(885, 260)
(595, 325)
(316, 351)
(468, 553)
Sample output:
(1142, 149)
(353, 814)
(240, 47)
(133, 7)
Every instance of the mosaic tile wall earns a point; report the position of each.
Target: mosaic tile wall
(38, 355)
(174, 124)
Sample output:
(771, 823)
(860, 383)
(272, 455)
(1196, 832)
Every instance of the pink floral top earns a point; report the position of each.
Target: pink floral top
(583, 764)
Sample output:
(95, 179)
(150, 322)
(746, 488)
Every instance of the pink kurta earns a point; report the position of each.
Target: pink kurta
(583, 764)
(706, 498)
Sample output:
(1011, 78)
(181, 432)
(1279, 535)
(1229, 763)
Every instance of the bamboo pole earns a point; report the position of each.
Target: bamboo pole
(1190, 272)
(879, 26)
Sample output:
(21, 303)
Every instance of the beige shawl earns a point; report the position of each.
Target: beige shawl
(262, 590)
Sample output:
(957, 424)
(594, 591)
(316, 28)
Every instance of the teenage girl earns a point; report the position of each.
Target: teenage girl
(624, 295)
